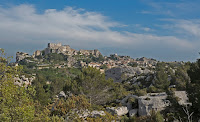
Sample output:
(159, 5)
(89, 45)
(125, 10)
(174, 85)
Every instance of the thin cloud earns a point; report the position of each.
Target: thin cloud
(78, 27)
(173, 8)
(189, 27)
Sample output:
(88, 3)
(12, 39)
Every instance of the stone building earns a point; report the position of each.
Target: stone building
(67, 50)
(59, 48)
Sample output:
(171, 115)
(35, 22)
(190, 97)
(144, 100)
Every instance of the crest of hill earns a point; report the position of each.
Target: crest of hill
(58, 49)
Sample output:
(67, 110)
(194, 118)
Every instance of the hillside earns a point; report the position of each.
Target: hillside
(85, 85)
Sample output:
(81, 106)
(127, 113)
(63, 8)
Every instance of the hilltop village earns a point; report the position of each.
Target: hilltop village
(80, 58)
(119, 85)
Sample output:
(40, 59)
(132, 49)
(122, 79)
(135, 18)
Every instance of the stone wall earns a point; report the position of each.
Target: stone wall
(67, 50)
(54, 46)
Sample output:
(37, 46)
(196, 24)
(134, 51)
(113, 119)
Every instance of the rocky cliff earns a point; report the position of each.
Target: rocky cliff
(122, 73)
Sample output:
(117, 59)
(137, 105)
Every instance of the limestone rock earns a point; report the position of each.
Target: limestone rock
(20, 81)
(97, 113)
(119, 111)
(36, 53)
(62, 94)
(182, 95)
(21, 55)
(71, 61)
(133, 112)
(124, 101)
(84, 114)
(148, 78)
(152, 101)
(69, 94)
(146, 62)
(122, 73)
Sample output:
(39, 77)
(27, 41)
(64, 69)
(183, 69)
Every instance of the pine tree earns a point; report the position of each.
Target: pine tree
(193, 88)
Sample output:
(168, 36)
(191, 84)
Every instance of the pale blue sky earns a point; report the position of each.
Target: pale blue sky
(167, 30)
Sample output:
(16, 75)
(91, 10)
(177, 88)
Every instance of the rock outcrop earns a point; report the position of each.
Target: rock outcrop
(122, 73)
(133, 112)
(20, 56)
(152, 101)
(143, 105)
(97, 114)
(62, 94)
(37, 53)
(71, 61)
(23, 80)
(182, 95)
(125, 101)
(146, 62)
(84, 114)
(119, 111)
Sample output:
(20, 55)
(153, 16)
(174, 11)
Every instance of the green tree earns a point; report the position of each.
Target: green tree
(94, 85)
(41, 95)
(62, 107)
(161, 81)
(193, 88)
(133, 64)
(156, 117)
(16, 103)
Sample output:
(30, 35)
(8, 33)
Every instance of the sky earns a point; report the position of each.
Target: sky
(167, 30)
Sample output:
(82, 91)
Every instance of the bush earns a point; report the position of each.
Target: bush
(152, 89)
(141, 92)
(133, 64)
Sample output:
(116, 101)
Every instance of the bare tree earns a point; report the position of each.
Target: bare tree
(189, 115)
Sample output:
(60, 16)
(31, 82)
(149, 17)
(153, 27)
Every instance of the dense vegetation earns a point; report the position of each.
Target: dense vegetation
(193, 89)
(89, 89)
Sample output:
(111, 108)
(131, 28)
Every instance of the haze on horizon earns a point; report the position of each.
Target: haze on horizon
(164, 30)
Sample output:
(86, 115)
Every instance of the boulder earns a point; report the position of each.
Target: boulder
(23, 81)
(62, 94)
(182, 95)
(119, 111)
(97, 113)
(21, 55)
(75, 112)
(83, 114)
(133, 112)
(148, 78)
(153, 101)
(117, 72)
(69, 94)
(125, 100)
(129, 105)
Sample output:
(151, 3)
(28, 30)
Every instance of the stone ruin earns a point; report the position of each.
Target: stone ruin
(67, 50)
(59, 49)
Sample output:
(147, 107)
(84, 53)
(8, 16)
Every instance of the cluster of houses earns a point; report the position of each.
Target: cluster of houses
(117, 61)
(109, 62)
